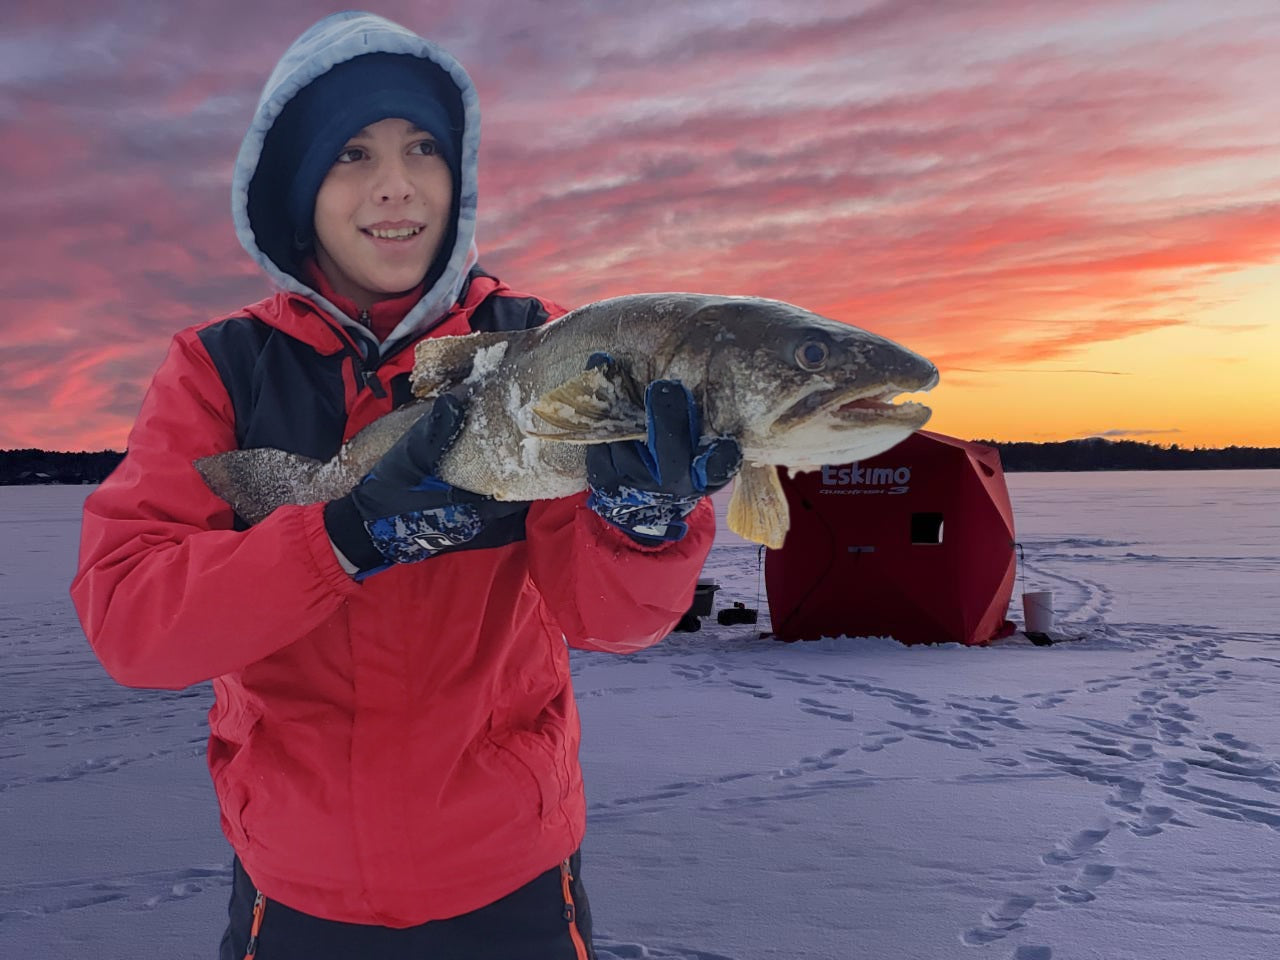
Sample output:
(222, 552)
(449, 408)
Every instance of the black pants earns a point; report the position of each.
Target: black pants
(530, 924)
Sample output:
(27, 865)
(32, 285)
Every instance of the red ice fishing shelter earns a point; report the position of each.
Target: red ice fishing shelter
(916, 543)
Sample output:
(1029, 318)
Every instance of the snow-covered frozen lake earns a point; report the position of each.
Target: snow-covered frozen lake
(1113, 797)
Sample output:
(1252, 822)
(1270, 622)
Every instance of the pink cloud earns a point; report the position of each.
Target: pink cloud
(995, 182)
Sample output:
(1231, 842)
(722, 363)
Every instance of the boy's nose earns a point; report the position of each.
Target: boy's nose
(393, 182)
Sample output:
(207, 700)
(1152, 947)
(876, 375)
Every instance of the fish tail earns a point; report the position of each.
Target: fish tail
(255, 482)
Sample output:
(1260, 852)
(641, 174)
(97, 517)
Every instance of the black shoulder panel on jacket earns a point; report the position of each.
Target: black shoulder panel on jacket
(497, 314)
(401, 390)
(284, 393)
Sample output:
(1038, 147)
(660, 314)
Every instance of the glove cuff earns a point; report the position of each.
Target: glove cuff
(648, 517)
(346, 529)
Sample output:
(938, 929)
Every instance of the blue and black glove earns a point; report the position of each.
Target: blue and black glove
(648, 488)
(401, 512)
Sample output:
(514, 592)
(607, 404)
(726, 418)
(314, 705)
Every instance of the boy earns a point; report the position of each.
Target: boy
(394, 742)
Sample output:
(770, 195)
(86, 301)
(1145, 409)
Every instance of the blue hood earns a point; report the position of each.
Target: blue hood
(334, 40)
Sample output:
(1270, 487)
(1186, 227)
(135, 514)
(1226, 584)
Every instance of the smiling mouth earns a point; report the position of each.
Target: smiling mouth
(398, 233)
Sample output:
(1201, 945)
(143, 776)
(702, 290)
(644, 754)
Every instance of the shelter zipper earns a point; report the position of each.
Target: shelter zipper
(571, 911)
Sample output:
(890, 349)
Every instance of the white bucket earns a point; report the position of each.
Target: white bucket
(1037, 611)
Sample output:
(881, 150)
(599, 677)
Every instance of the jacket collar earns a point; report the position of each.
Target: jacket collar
(381, 318)
(305, 316)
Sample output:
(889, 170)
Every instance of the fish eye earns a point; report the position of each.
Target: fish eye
(812, 355)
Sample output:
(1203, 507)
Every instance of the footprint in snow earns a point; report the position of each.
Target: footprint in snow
(1081, 888)
(999, 922)
(1126, 794)
(961, 739)
(1151, 822)
(60, 896)
(982, 718)
(793, 676)
(819, 709)
(693, 672)
(824, 761)
(1227, 806)
(878, 741)
(1076, 846)
(1177, 711)
(754, 689)
(1235, 743)
(1046, 701)
(609, 949)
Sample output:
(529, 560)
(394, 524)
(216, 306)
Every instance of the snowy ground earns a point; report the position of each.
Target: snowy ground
(1117, 796)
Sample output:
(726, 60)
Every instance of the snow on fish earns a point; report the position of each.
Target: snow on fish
(795, 389)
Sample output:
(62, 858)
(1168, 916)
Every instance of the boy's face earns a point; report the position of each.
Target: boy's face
(382, 211)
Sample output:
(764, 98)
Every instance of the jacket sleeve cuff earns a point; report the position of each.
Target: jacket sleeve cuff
(346, 529)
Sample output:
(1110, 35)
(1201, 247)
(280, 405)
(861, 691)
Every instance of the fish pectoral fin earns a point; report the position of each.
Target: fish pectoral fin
(758, 508)
(594, 407)
(443, 362)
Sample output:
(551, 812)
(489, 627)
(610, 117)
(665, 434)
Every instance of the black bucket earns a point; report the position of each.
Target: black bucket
(703, 598)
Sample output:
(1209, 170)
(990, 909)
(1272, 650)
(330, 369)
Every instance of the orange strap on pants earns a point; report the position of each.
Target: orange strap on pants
(571, 911)
(259, 908)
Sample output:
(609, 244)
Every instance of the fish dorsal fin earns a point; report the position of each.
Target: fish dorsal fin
(758, 508)
(597, 406)
(443, 362)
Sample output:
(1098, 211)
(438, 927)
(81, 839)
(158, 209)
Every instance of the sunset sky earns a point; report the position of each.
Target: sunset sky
(1071, 206)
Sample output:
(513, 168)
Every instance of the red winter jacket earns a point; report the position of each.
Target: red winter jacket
(392, 751)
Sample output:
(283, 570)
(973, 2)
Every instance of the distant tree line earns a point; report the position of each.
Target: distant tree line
(1096, 453)
(44, 466)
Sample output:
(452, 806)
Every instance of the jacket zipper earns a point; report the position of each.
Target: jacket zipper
(368, 375)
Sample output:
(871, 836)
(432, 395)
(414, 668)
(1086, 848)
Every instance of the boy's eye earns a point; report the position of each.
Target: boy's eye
(349, 155)
(428, 148)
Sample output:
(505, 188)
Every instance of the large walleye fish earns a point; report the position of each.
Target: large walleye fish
(793, 388)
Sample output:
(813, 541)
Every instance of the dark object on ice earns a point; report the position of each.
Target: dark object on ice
(738, 613)
(1039, 639)
(689, 623)
(703, 595)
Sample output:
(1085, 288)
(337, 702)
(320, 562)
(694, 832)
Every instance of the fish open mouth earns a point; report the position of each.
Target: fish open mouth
(869, 404)
(855, 407)
(880, 406)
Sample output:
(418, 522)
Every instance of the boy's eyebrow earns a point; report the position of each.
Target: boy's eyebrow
(414, 130)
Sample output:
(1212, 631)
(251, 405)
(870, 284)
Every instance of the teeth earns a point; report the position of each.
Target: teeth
(398, 234)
